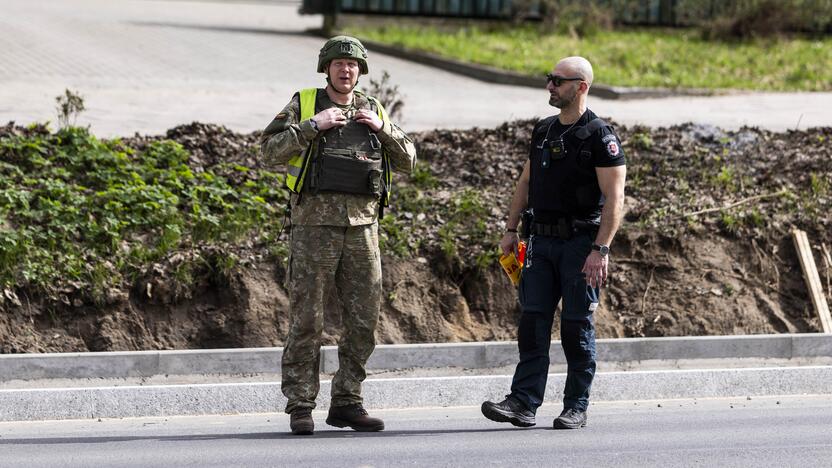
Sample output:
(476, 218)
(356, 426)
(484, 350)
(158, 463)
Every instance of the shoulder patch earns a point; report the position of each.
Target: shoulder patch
(278, 124)
(612, 146)
(608, 138)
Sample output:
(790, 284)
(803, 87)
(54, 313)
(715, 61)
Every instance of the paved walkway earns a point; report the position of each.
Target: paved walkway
(145, 66)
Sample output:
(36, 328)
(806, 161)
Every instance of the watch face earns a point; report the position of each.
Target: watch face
(604, 250)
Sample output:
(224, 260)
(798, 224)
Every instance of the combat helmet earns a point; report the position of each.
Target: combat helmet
(343, 47)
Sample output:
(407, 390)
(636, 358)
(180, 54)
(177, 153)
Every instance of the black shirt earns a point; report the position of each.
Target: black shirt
(563, 181)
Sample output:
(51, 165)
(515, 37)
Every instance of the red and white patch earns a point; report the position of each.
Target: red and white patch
(612, 148)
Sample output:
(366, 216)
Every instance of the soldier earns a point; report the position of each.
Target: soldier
(574, 183)
(340, 150)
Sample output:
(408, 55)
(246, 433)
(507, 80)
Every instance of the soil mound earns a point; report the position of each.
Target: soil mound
(705, 249)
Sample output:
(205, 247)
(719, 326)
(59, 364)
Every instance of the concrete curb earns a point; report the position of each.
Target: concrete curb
(145, 401)
(26, 404)
(463, 355)
(495, 75)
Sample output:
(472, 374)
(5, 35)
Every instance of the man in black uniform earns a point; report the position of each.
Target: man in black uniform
(574, 184)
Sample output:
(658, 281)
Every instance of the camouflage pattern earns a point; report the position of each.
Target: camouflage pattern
(323, 257)
(286, 137)
(334, 243)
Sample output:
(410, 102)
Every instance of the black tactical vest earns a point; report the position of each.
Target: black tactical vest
(347, 159)
(563, 182)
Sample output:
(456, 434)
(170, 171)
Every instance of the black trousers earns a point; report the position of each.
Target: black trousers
(552, 272)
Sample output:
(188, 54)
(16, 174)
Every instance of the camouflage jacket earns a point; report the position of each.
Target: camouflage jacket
(286, 137)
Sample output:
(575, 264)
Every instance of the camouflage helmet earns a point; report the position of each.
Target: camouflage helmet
(343, 47)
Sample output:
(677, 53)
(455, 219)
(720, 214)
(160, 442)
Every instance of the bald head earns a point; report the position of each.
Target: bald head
(575, 66)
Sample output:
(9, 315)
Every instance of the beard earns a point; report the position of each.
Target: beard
(563, 100)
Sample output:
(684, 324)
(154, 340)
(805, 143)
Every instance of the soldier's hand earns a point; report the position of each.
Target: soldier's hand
(595, 269)
(329, 118)
(370, 119)
(509, 243)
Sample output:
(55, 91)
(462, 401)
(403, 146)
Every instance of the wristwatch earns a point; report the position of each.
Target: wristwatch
(314, 124)
(604, 250)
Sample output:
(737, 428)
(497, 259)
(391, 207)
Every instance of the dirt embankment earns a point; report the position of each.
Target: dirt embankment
(705, 250)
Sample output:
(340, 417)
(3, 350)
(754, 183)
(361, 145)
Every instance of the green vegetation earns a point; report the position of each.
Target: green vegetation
(747, 191)
(725, 179)
(642, 140)
(422, 177)
(465, 220)
(91, 214)
(757, 18)
(424, 221)
(729, 223)
(677, 58)
(820, 185)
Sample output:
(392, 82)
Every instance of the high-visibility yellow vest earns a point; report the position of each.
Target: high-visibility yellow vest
(297, 167)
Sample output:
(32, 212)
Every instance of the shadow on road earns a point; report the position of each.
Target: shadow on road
(327, 434)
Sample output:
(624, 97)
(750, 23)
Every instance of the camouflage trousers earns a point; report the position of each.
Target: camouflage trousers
(322, 257)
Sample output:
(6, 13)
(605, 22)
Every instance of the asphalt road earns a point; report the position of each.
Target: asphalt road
(148, 65)
(771, 431)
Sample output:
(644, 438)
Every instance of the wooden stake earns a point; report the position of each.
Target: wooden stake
(827, 260)
(810, 274)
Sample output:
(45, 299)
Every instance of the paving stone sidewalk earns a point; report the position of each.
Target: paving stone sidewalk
(145, 66)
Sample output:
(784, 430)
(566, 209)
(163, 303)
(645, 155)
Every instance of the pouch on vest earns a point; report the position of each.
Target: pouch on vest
(346, 171)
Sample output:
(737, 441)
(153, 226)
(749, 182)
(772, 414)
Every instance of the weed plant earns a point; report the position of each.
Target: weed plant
(388, 94)
(69, 105)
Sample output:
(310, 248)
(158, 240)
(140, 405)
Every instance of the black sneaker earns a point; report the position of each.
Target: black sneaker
(570, 418)
(509, 410)
(301, 422)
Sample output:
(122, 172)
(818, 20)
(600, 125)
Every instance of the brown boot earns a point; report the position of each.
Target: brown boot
(354, 416)
(301, 423)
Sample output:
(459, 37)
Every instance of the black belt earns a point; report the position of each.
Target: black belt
(564, 228)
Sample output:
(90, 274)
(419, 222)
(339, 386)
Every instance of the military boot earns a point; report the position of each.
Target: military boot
(509, 410)
(301, 422)
(570, 418)
(354, 416)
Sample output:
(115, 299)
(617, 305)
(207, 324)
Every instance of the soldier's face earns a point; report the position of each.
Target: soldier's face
(343, 74)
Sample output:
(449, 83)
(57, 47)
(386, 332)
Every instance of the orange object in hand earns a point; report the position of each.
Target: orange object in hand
(521, 252)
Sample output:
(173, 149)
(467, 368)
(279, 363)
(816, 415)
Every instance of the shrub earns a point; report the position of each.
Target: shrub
(576, 18)
(744, 19)
(388, 94)
(69, 106)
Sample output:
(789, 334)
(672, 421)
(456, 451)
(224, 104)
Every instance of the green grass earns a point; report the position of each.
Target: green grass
(632, 57)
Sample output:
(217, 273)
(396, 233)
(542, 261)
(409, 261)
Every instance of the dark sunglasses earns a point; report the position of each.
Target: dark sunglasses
(559, 80)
